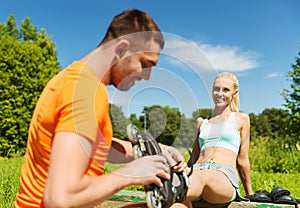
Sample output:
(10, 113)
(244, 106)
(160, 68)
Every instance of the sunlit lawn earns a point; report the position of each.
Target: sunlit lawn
(10, 172)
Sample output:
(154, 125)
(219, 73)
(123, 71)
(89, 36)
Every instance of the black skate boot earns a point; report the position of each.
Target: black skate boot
(173, 190)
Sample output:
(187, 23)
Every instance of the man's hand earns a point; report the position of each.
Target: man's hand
(145, 170)
(174, 158)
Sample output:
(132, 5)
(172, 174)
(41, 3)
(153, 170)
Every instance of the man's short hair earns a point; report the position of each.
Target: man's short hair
(134, 21)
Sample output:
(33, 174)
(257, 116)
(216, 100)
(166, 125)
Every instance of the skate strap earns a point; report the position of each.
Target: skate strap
(176, 164)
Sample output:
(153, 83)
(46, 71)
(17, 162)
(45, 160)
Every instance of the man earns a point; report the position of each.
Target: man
(70, 135)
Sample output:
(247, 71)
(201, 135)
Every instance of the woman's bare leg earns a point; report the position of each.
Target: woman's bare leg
(212, 185)
(218, 188)
(182, 205)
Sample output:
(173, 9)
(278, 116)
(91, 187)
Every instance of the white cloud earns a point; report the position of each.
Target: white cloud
(272, 75)
(230, 58)
(210, 57)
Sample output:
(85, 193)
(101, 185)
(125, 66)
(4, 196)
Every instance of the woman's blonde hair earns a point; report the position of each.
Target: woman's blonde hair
(234, 104)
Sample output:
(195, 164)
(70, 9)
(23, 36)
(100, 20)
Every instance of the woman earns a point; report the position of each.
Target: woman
(221, 146)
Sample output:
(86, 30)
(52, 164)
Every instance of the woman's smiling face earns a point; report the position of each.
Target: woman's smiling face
(223, 91)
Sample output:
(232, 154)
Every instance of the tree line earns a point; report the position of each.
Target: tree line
(28, 59)
(169, 126)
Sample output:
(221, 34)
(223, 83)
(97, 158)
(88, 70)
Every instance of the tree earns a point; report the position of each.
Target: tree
(28, 59)
(277, 119)
(186, 135)
(119, 121)
(205, 112)
(11, 28)
(163, 123)
(138, 122)
(29, 32)
(292, 98)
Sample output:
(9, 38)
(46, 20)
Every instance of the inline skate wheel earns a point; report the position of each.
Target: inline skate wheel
(137, 152)
(152, 200)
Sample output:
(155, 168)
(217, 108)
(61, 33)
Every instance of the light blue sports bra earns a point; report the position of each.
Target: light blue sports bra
(225, 135)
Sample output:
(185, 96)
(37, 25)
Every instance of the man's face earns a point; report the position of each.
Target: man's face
(135, 66)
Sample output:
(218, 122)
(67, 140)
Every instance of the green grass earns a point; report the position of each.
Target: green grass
(9, 180)
(10, 172)
(267, 181)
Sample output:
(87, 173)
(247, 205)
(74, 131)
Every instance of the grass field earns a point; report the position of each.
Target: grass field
(10, 172)
(9, 180)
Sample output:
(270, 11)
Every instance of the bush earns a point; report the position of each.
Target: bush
(26, 64)
(274, 155)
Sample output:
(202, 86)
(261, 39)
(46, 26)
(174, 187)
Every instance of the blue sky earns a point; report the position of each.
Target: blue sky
(256, 40)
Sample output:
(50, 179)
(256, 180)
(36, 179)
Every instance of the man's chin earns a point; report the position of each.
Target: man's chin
(123, 87)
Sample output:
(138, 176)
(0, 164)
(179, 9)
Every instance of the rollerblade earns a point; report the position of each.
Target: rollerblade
(173, 190)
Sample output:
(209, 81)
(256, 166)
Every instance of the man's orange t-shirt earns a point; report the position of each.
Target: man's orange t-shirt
(73, 101)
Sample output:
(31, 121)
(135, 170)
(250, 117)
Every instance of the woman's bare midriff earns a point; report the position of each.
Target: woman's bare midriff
(219, 155)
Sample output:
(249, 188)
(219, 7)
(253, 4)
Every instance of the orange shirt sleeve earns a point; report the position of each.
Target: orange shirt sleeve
(84, 107)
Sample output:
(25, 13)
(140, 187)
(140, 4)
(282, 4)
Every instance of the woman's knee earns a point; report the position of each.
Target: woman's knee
(210, 185)
(197, 184)
(184, 204)
(220, 195)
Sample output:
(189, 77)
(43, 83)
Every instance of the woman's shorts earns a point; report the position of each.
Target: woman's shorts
(228, 170)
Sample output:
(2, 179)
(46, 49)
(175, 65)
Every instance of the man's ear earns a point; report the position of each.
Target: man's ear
(121, 48)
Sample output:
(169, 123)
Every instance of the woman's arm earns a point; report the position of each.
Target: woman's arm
(196, 146)
(243, 163)
(121, 151)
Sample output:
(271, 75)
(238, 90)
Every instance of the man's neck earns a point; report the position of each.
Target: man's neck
(100, 61)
